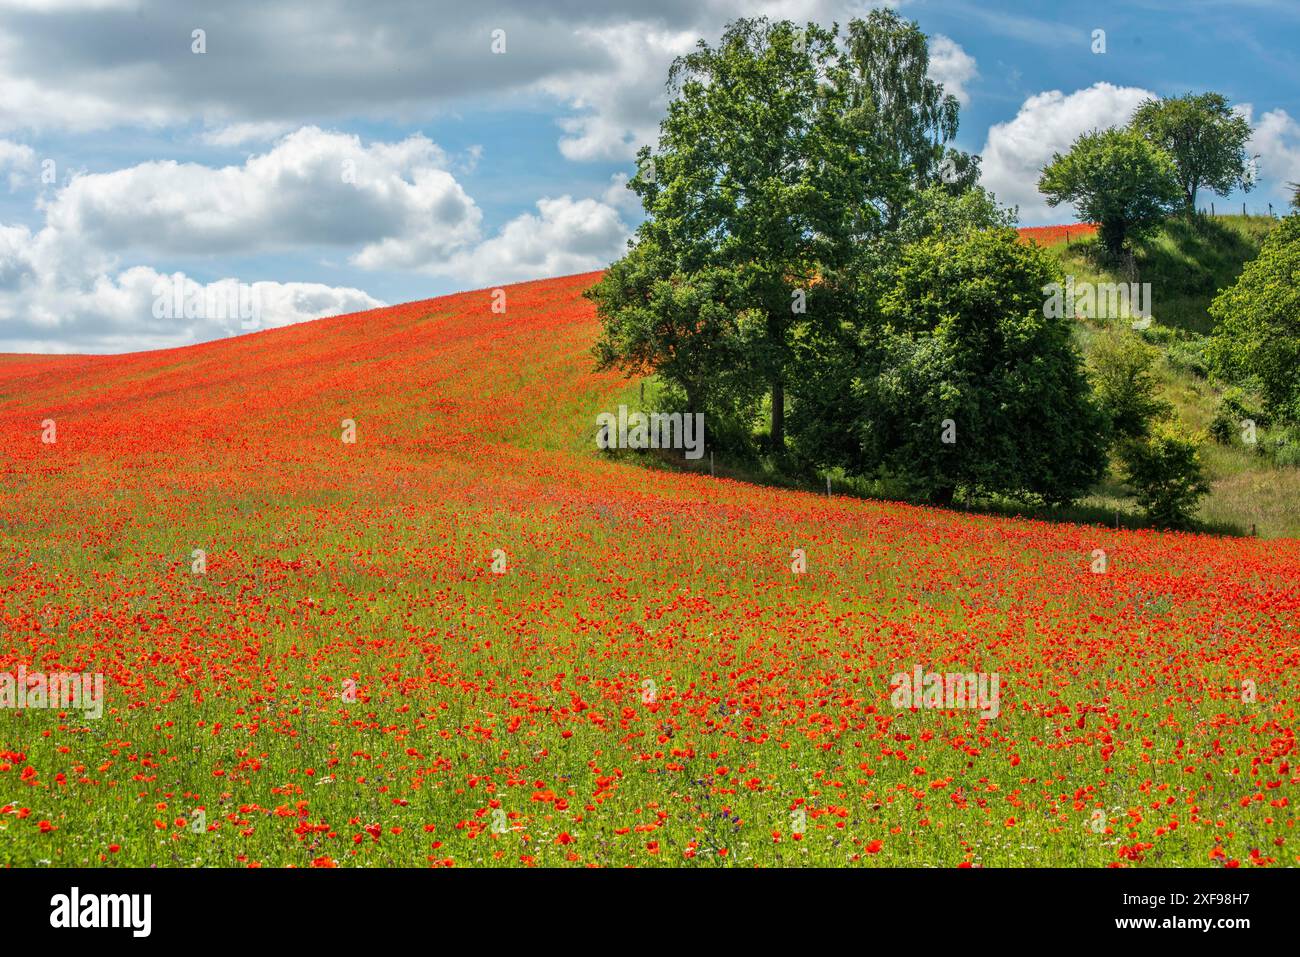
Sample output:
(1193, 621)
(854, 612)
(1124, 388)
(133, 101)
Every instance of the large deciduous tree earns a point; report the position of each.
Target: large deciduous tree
(757, 192)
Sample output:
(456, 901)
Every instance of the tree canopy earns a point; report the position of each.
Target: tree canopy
(1114, 178)
(1258, 333)
(1205, 139)
(893, 97)
(758, 187)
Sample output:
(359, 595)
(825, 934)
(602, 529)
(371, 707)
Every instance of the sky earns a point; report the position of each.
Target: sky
(171, 174)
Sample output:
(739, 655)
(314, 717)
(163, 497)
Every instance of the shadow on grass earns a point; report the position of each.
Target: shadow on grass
(765, 474)
(1186, 261)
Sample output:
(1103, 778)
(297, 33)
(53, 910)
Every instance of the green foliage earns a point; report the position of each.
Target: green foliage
(683, 326)
(814, 252)
(1188, 356)
(1166, 474)
(1251, 484)
(1188, 262)
(908, 115)
(1205, 139)
(937, 211)
(1114, 178)
(1284, 450)
(759, 188)
(1258, 332)
(1125, 390)
(1232, 410)
(830, 355)
(964, 338)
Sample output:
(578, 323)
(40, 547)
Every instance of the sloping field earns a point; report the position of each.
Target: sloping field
(343, 677)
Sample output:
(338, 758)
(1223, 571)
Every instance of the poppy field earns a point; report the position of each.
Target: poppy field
(1052, 235)
(467, 638)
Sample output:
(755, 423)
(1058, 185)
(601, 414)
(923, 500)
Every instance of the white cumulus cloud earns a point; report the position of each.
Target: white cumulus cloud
(313, 188)
(82, 281)
(1276, 140)
(1047, 123)
(17, 158)
(566, 236)
(952, 66)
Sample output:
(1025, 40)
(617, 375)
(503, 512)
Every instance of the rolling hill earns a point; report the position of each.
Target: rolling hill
(466, 638)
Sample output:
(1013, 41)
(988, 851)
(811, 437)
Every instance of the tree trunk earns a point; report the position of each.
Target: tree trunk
(1112, 235)
(775, 350)
(778, 418)
(692, 397)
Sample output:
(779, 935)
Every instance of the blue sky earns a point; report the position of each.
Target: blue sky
(470, 167)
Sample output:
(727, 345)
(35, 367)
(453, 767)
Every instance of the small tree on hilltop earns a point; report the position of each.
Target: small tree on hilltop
(1205, 139)
(1114, 178)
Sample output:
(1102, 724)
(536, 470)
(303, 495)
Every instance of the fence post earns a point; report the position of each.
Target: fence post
(1211, 210)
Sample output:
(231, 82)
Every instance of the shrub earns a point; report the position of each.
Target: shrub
(1232, 410)
(1166, 474)
(1120, 369)
(1116, 179)
(1287, 453)
(967, 384)
(1188, 355)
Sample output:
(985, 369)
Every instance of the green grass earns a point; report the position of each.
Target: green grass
(1187, 263)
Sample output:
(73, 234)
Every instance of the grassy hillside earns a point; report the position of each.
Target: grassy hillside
(1186, 265)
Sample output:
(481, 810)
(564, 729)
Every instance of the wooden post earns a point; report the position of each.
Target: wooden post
(828, 486)
(711, 463)
(1211, 209)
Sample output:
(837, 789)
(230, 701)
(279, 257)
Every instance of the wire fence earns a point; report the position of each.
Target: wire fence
(1273, 212)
